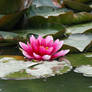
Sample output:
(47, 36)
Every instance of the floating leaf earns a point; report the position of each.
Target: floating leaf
(43, 32)
(19, 68)
(39, 3)
(88, 31)
(83, 1)
(86, 70)
(41, 16)
(7, 7)
(78, 41)
(77, 5)
(80, 28)
(9, 38)
(80, 59)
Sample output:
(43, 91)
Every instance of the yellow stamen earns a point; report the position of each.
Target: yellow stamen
(46, 48)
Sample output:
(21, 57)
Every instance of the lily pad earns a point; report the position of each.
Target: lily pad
(41, 16)
(77, 5)
(83, 1)
(86, 70)
(19, 68)
(39, 3)
(83, 63)
(80, 59)
(79, 42)
(80, 28)
(9, 38)
(7, 7)
(43, 32)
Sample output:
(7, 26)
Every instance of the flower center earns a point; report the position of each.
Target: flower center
(46, 48)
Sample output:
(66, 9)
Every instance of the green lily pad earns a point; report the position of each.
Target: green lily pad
(19, 68)
(41, 16)
(80, 59)
(82, 63)
(43, 32)
(79, 42)
(77, 5)
(83, 1)
(38, 3)
(80, 28)
(7, 7)
(88, 31)
(9, 38)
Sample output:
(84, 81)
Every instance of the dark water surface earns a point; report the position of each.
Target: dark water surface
(70, 82)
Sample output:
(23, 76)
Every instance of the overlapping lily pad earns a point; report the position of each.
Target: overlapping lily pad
(78, 42)
(82, 63)
(9, 38)
(43, 32)
(81, 28)
(7, 7)
(80, 59)
(77, 5)
(15, 67)
(44, 15)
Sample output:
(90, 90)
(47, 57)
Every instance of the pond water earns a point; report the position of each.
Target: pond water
(68, 82)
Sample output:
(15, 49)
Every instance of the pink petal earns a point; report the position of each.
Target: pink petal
(29, 46)
(46, 57)
(32, 39)
(57, 45)
(41, 50)
(43, 42)
(55, 2)
(60, 53)
(36, 56)
(40, 40)
(50, 43)
(48, 39)
(23, 45)
(49, 50)
(26, 54)
(34, 43)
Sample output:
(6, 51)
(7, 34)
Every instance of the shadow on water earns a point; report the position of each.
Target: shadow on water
(70, 82)
(10, 50)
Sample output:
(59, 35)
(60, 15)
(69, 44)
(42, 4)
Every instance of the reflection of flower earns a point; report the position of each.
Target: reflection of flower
(42, 48)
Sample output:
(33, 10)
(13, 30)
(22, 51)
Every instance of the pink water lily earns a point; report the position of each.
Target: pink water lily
(42, 48)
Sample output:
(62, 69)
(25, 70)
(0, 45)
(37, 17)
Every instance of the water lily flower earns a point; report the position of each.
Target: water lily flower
(42, 48)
